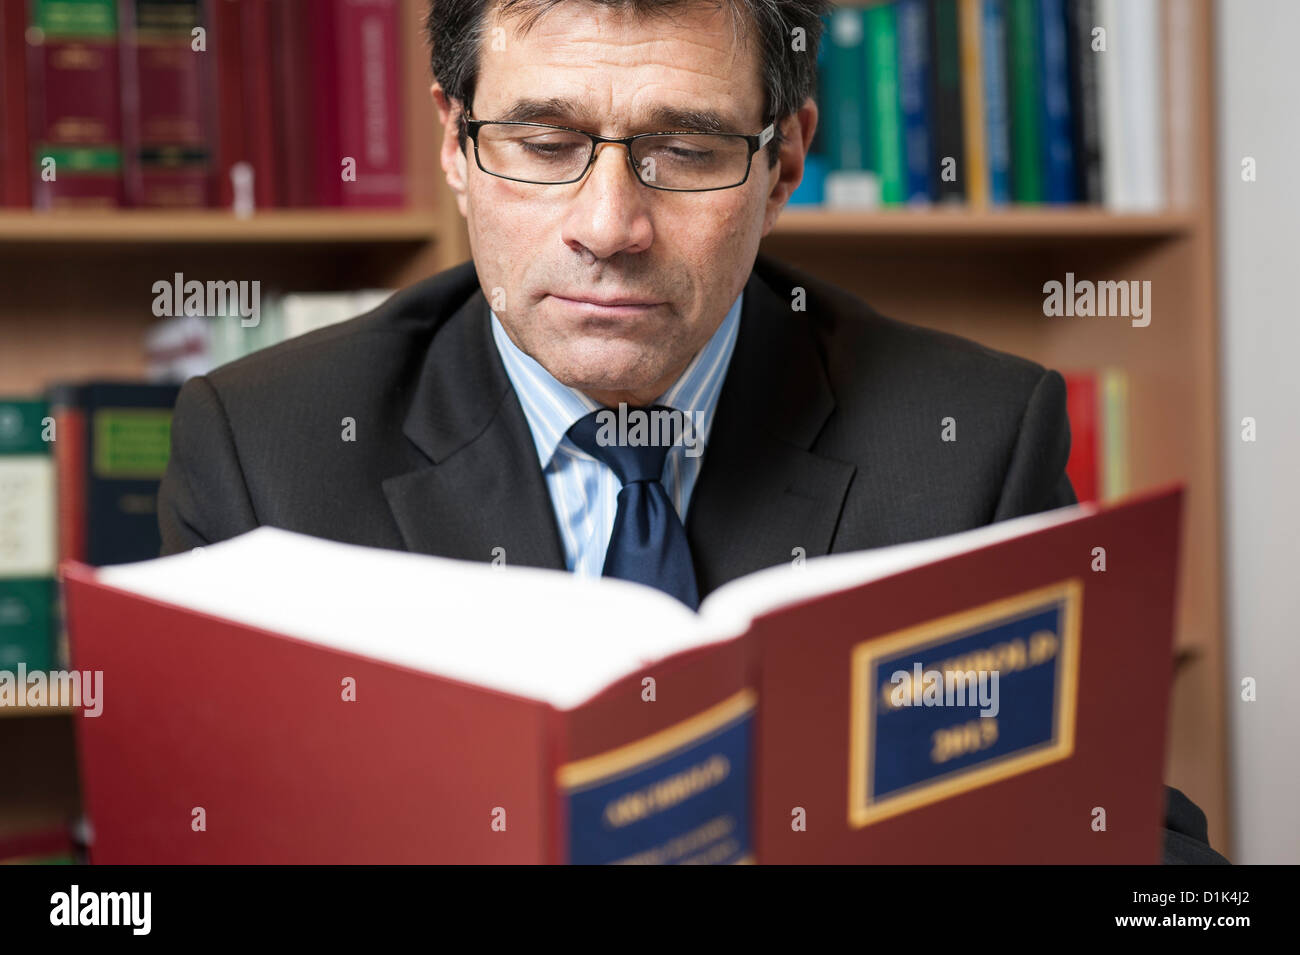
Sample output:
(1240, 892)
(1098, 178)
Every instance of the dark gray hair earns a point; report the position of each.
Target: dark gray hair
(455, 30)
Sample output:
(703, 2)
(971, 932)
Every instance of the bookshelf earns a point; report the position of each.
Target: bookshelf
(77, 293)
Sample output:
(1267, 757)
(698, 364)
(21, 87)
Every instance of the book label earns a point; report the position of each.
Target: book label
(963, 701)
(679, 796)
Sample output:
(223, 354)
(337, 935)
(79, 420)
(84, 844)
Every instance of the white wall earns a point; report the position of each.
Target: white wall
(1259, 274)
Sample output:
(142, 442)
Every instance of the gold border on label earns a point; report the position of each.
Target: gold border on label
(863, 808)
(637, 755)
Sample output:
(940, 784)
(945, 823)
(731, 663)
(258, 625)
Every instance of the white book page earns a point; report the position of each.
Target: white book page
(735, 604)
(543, 634)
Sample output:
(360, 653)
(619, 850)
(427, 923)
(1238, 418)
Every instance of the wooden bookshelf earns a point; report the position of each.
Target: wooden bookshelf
(76, 300)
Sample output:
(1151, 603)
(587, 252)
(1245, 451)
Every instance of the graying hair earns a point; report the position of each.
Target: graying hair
(455, 30)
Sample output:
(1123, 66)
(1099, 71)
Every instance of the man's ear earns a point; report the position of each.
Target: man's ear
(788, 172)
(451, 156)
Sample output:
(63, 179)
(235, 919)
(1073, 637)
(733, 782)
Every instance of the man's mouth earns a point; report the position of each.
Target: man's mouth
(607, 305)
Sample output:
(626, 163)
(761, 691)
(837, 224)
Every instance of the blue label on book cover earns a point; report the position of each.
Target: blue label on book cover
(679, 797)
(963, 701)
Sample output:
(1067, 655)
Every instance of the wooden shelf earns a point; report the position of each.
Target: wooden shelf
(305, 226)
(1012, 224)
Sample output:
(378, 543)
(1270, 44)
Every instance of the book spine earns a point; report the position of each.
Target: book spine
(886, 131)
(950, 174)
(1137, 41)
(15, 153)
(914, 97)
(1085, 95)
(259, 95)
(1025, 72)
(1083, 406)
(1114, 431)
(325, 92)
(167, 101)
(129, 439)
(296, 143)
(996, 108)
(1058, 146)
(1115, 180)
(851, 178)
(232, 139)
(27, 536)
(370, 103)
(972, 90)
(74, 109)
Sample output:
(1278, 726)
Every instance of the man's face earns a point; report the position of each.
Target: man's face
(688, 255)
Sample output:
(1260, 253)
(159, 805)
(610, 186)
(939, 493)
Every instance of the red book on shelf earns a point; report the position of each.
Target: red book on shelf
(15, 185)
(74, 110)
(296, 142)
(259, 93)
(281, 698)
(1082, 405)
(167, 104)
(369, 107)
(226, 39)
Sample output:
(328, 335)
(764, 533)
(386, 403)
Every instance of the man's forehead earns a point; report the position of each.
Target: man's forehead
(696, 79)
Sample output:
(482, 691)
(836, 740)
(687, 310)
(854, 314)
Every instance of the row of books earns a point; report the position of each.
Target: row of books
(991, 102)
(79, 469)
(201, 103)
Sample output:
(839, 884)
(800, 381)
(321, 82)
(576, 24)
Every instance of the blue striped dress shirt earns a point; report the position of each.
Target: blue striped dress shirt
(584, 491)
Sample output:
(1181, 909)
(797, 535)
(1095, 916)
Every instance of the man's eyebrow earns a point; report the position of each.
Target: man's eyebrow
(566, 112)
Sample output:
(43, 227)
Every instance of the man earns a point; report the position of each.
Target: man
(620, 275)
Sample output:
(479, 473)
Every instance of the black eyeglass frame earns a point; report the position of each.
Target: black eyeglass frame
(755, 143)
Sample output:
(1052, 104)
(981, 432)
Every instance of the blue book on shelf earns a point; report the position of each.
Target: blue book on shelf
(812, 190)
(993, 39)
(1058, 141)
(914, 98)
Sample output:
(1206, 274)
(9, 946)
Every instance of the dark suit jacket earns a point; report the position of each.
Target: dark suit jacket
(827, 436)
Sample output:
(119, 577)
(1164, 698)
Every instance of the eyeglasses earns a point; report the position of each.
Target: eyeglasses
(675, 162)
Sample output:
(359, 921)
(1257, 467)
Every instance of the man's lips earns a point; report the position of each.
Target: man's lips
(629, 303)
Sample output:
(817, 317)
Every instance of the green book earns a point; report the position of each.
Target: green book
(851, 174)
(28, 545)
(1025, 73)
(886, 128)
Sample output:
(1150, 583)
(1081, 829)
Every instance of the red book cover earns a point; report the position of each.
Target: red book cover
(69, 470)
(74, 113)
(226, 41)
(257, 68)
(296, 142)
(481, 723)
(325, 94)
(1082, 403)
(369, 102)
(167, 103)
(15, 185)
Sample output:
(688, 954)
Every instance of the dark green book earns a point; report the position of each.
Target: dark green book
(886, 114)
(1025, 76)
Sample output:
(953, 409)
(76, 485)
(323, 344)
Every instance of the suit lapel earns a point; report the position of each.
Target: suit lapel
(481, 488)
(763, 497)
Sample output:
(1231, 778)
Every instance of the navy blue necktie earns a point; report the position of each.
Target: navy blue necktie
(648, 543)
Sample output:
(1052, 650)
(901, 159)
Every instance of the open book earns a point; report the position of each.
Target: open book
(283, 698)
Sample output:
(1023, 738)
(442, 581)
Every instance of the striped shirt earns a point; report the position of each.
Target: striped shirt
(584, 491)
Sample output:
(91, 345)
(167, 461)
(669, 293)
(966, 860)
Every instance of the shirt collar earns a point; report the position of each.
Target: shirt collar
(552, 407)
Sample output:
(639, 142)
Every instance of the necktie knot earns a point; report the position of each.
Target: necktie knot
(630, 441)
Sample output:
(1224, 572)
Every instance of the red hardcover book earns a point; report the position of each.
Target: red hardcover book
(995, 696)
(74, 113)
(1082, 403)
(167, 104)
(259, 95)
(233, 135)
(295, 122)
(369, 103)
(15, 185)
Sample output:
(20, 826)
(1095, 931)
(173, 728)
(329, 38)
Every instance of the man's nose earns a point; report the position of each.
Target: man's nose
(610, 212)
